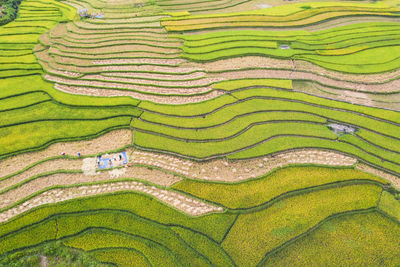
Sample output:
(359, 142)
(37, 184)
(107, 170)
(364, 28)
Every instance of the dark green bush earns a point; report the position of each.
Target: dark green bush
(57, 255)
(9, 10)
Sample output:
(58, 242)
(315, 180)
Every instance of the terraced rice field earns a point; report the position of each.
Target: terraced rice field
(200, 133)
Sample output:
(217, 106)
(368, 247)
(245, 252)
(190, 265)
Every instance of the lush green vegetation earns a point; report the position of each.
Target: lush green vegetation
(255, 234)
(356, 239)
(267, 120)
(285, 217)
(54, 253)
(390, 205)
(255, 192)
(335, 49)
(131, 202)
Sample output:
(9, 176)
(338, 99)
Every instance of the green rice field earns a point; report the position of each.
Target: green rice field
(237, 133)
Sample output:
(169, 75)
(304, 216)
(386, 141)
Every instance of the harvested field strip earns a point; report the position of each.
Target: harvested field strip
(283, 143)
(213, 121)
(87, 26)
(15, 86)
(29, 183)
(45, 167)
(30, 136)
(115, 49)
(299, 39)
(142, 88)
(214, 106)
(189, 76)
(156, 31)
(200, 82)
(252, 193)
(13, 165)
(249, 146)
(165, 99)
(378, 100)
(171, 62)
(212, 225)
(57, 192)
(252, 22)
(297, 12)
(321, 85)
(200, 6)
(344, 235)
(126, 55)
(280, 223)
(322, 55)
(248, 65)
(115, 42)
(222, 170)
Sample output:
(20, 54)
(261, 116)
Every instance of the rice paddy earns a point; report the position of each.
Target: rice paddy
(254, 133)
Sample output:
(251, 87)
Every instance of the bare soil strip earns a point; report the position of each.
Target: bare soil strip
(109, 141)
(179, 201)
